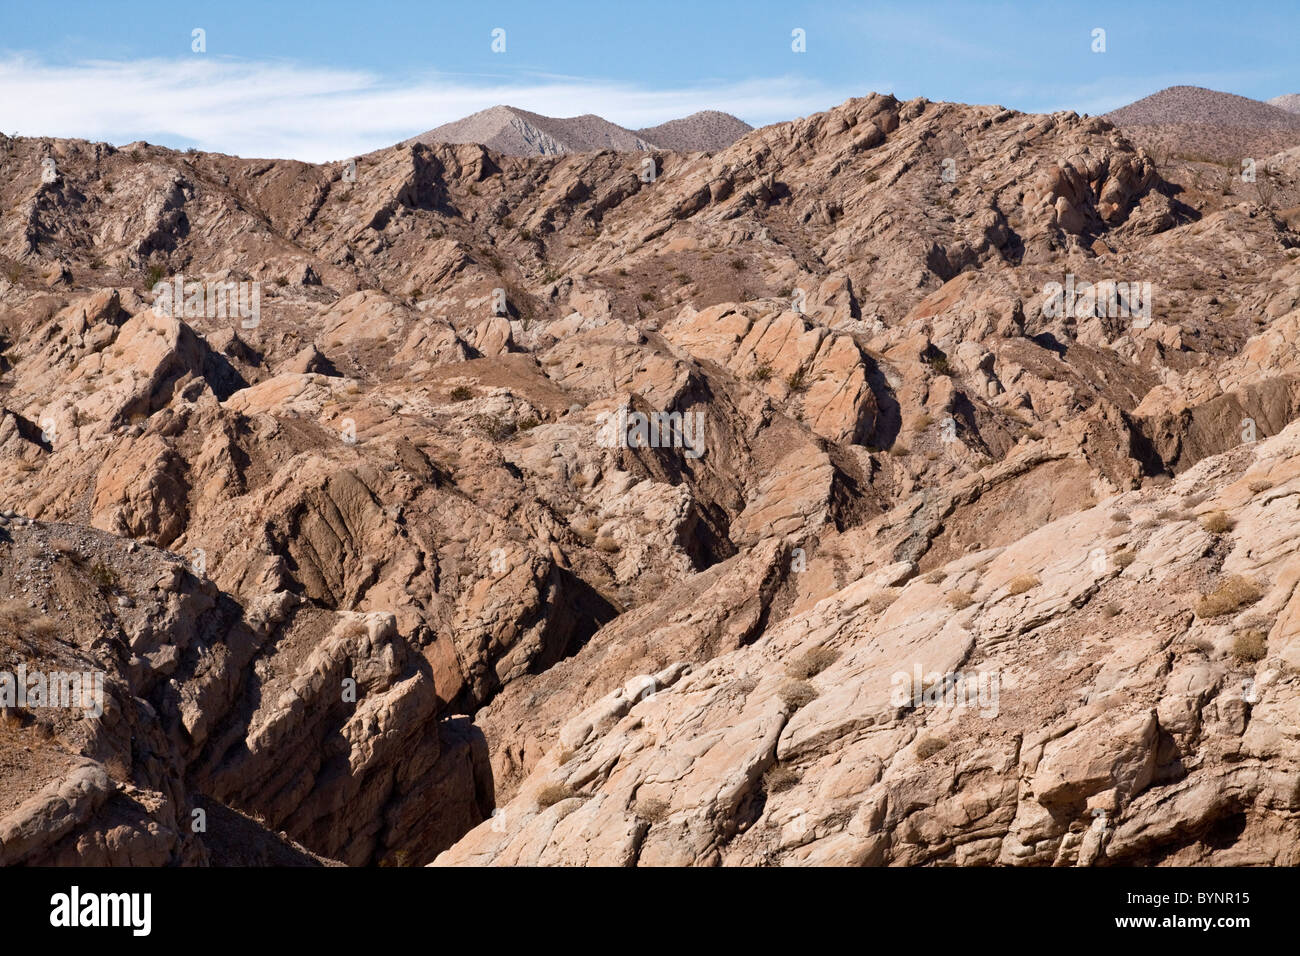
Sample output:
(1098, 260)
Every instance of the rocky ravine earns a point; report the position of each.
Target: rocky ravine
(369, 583)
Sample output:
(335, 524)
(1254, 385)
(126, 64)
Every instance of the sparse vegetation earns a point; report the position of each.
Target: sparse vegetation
(652, 810)
(761, 373)
(927, 747)
(959, 599)
(461, 394)
(796, 380)
(1216, 522)
(553, 793)
(780, 778)
(494, 426)
(1250, 645)
(104, 577)
(812, 662)
(797, 693)
(1123, 558)
(1233, 592)
(1022, 583)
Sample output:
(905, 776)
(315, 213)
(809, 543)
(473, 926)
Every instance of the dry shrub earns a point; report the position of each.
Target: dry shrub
(1109, 610)
(960, 599)
(553, 793)
(66, 548)
(812, 662)
(936, 576)
(882, 599)
(779, 778)
(1022, 583)
(1232, 593)
(1124, 558)
(797, 693)
(14, 616)
(1216, 522)
(929, 746)
(1250, 645)
(1261, 485)
(607, 544)
(652, 810)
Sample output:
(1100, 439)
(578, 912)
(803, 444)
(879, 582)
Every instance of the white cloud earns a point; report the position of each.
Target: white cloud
(292, 111)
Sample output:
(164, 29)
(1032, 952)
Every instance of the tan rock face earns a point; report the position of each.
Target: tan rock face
(770, 512)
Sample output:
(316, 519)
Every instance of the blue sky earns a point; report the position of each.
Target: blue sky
(328, 79)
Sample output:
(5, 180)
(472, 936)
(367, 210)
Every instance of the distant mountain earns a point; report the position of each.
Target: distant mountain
(1287, 101)
(706, 130)
(516, 132)
(1195, 122)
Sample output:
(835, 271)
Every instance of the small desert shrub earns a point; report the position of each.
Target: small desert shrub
(779, 778)
(528, 424)
(1022, 583)
(66, 548)
(1191, 501)
(1262, 485)
(1216, 522)
(14, 615)
(1124, 558)
(607, 544)
(921, 421)
(812, 662)
(1233, 593)
(960, 599)
(797, 693)
(647, 296)
(1250, 645)
(553, 793)
(1120, 518)
(461, 394)
(494, 426)
(936, 576)
(1109, 610)
(739, 265)
(652, 810)
(882, 599)
(929, 746)
(762, 373)
(796, 381)
(900, 450)
(1165, 514)
(104, 577)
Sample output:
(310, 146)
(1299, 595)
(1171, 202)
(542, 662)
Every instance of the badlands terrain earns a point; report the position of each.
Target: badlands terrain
(928, 569)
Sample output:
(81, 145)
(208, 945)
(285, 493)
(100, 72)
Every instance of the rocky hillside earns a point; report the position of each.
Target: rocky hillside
(1195, 123)
(904, 484)
(1287, 101)
(516, 132)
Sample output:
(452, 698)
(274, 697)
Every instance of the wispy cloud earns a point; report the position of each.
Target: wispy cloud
(285, 110)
